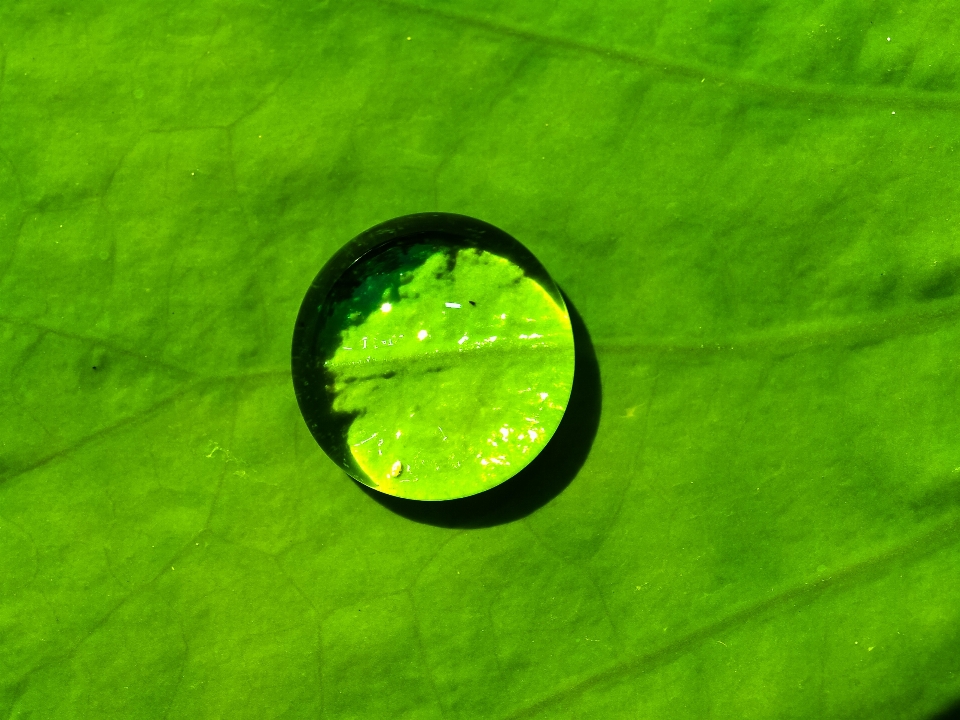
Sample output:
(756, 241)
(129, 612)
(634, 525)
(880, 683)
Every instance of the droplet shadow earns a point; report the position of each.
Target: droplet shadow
(544, 478)
(951, 713)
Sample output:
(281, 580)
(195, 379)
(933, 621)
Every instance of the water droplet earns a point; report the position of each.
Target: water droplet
(400, 285)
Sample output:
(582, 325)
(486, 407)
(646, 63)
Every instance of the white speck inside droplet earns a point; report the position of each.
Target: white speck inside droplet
(398, 433)
(532, 434)
(452, 305)
(462, 340)
(503, 316)
(422, 334)
(386, 307)
(505, 433)
(492, 338)
(543, 396)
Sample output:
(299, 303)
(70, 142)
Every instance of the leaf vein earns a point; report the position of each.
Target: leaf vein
(928, 543)
(693, 71)
(103, 432)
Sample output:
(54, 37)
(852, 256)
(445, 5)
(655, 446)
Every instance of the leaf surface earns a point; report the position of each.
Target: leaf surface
(753, 207)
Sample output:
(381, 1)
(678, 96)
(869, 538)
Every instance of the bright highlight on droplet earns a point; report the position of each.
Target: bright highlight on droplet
(359, 374)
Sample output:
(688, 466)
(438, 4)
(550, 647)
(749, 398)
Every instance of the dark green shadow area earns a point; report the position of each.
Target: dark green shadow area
(544, 478)
(951, 713)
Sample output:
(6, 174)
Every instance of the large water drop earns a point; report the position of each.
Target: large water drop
(433, 357)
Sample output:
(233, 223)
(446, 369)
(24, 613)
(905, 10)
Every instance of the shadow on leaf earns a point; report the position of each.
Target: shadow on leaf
(544, 478)
(951, 713)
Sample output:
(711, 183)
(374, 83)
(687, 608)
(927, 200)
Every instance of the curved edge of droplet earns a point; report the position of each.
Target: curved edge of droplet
(311, 395)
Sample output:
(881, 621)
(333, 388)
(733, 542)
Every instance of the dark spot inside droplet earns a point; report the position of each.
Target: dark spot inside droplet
(94, 367)
(388, 375)
(472, 303)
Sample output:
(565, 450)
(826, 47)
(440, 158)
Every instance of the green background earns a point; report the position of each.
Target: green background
(753, 206)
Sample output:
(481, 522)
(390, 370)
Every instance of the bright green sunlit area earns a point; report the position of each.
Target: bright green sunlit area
(457, 377)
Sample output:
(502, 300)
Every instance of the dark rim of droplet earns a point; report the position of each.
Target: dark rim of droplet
(329, 427)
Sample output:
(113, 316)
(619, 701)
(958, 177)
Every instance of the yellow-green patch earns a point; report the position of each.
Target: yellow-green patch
(453, 366)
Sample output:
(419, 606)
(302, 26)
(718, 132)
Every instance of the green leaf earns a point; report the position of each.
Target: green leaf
(752, 205)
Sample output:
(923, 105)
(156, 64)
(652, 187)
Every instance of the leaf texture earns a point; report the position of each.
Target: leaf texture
(752, 205)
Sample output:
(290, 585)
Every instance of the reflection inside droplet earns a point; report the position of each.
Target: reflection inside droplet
(417, 335)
